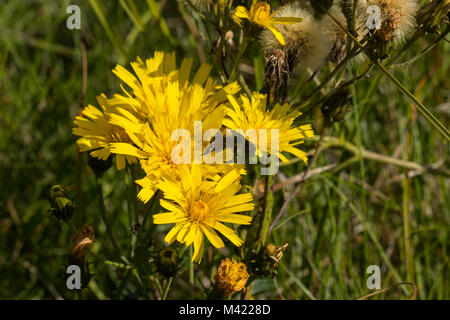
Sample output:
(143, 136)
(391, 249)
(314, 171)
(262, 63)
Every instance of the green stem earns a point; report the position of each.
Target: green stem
(167, 288)
(191, 271)
(102, 208)
(237, 60)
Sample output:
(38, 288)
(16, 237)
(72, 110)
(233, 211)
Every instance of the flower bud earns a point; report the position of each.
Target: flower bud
(62, 206)
(167, 262)
(433, 14)
(336, 106)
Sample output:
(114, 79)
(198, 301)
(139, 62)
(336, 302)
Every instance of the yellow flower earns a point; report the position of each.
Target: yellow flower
(231, 277)
(260, 14)
(97, 133)
(198, 207)
(253, 114)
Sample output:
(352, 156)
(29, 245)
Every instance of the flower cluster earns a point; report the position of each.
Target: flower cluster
(138, 125)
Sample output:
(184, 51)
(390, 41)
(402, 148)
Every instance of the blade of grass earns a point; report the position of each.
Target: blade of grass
(100, 12)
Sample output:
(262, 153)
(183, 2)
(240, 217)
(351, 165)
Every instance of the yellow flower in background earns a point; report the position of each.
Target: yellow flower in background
(252, 113)
(231, 277)
(97, 133)
(260, 14)
(199, 207)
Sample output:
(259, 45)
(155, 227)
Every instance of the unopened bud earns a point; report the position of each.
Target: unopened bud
(61, 205)
(167, 262)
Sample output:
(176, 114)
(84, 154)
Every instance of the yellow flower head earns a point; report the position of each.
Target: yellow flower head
(98, 134)
(231, 276)
(198, 208)
(163, 100)
(252, 114)
(260, 14)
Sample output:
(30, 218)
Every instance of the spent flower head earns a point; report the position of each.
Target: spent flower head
(231, 277)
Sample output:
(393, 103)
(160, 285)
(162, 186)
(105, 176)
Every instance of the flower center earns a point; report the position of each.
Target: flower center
(198, 210)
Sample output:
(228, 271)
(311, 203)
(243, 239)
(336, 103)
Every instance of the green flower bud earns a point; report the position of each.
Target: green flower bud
(264, 262)
(336, 106)
(62, 206)
(167, 262)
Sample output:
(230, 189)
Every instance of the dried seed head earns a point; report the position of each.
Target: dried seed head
(307, 44)
(277, 69)
(398, 18)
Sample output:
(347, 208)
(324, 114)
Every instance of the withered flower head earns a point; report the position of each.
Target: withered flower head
(231, 277)
(82, 240)
(264, 262)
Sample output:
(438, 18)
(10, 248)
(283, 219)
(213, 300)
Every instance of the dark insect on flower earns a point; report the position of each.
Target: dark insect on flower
(61, 206)
(390, 24)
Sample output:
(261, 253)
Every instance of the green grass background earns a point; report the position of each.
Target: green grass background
(332, 226)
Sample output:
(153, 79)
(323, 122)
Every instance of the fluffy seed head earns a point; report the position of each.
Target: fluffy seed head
(398, 17)
(307, 45)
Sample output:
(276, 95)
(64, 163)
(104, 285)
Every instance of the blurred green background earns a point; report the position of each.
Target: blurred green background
(343, 220)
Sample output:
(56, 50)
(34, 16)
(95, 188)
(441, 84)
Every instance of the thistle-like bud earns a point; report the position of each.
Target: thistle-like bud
(61, 205)
(264, 262)
(231, 277)
(99, 166)
(167, 262)
(432, 15)
(335, 107)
